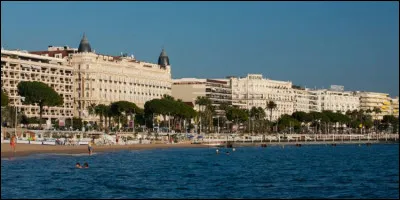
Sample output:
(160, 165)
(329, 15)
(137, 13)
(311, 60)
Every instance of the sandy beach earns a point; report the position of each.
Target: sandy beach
(29, 149)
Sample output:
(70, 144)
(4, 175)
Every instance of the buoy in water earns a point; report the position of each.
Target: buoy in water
(217, 151)
(233, 149)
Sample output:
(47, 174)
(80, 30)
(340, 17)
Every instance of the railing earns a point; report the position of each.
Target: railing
(303, 138)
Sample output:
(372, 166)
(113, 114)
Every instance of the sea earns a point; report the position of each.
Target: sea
(310, 171)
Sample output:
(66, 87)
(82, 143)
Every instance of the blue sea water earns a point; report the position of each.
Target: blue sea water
(314, 171)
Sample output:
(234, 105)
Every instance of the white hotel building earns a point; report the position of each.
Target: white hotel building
(84, 77)
(17, 66)
(334, 99)
(255, 91)
(302, 99)
(102, 79)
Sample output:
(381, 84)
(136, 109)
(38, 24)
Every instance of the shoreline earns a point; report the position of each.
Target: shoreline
(31, 149)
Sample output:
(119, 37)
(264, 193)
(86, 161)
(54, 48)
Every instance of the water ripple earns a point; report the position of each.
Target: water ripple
(346, 171)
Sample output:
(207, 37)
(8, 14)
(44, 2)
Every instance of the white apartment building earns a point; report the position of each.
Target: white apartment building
(188, 89)
(255, 91)
(17, 66)
(302, 100)
(334, 100)
(103, 79)
(395, 106)
(371, 100)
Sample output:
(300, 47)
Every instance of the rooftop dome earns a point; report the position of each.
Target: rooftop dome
(163, 60)
(84, 46)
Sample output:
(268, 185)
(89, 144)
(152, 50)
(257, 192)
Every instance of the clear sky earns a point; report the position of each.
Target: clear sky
(312, 44)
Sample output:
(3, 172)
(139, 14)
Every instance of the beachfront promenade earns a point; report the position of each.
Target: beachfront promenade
(45, 137)
(76, 141)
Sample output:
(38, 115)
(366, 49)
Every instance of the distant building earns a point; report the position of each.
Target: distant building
(188, 89)
(302, 99)
(371, 100)
(255, 91)
(334, 100)
(17, 66)
(395, 106)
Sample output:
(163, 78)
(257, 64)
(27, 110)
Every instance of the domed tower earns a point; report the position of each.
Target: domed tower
(163, 59)
(84, 46)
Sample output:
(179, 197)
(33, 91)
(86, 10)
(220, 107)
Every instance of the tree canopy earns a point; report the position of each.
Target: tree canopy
(4, 98)
(39, 93)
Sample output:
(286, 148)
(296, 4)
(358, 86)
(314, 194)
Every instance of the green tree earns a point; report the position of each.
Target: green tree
(124, 109)
(101, 111)
(237, 115)
(77, 123)
(4, 98)
(391, 121)
(286, 121)
(39, 93)
(91, 109)
(24, 120)
(301, 116)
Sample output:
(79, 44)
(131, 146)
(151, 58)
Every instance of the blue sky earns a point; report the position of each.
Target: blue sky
(313, 44)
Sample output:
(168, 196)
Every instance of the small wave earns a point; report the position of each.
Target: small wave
(69, 154)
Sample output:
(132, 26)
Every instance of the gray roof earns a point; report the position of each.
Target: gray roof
(84, 46)
(163, 60)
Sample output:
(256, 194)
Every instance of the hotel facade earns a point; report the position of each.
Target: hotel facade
(84, 77)
(17, 66)
(255, 91)
(334, 99)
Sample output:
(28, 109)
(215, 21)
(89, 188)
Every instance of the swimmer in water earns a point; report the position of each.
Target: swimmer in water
(227, 152)
(217, 151)
(78, 165)
(86, 165)
(233, 149)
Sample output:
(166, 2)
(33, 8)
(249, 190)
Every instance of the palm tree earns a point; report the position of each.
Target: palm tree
(377, 111)
(203, 101)
(270, 106)
(101, 110)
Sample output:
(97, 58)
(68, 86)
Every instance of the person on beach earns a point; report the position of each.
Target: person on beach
(78, 165)
(86, 165)
(90, 148)
(13, 142)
